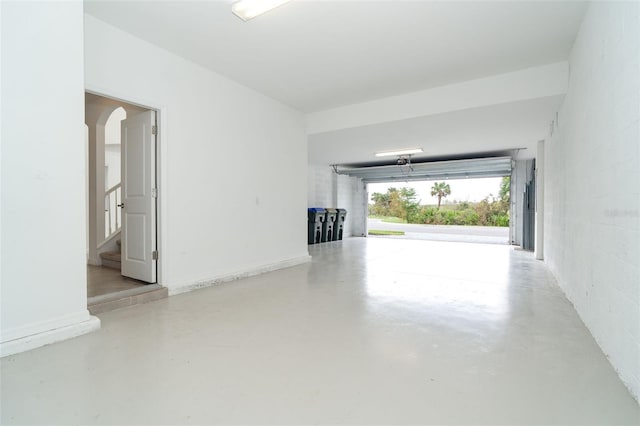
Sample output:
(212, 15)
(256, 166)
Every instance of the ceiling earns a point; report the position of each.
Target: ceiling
(319, 54)
(475, 132)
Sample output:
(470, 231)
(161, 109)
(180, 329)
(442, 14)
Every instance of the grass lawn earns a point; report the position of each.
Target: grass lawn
(381, 232)
(388, 219)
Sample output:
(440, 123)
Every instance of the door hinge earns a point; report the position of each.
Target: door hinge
(154, 192)
(154, 255)
(154, 130)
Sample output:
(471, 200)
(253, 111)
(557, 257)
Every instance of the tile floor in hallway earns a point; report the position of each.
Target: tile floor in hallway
(102, 280)
(373, 331)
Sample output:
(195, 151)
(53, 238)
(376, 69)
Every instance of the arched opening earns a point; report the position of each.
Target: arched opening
(112, 174)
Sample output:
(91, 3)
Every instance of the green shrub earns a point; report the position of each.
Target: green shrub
(450, 217)
(502, 220)
(402, 204)
(469, 217)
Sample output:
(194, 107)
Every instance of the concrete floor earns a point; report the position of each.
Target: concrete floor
(373, 331)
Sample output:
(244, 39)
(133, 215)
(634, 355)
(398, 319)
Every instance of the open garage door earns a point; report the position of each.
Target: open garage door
(454, 169)
(398, 214)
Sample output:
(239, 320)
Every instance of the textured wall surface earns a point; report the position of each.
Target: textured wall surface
(592, 181)
(327, 189)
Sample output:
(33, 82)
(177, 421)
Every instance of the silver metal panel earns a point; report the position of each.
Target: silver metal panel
(455, 169)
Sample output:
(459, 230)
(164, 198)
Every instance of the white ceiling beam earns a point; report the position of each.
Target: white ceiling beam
(530, 83)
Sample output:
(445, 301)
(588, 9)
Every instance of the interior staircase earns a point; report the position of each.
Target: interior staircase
(112, 259)
(123, 298)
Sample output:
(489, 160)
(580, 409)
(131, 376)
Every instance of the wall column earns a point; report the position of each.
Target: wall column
(539, 236)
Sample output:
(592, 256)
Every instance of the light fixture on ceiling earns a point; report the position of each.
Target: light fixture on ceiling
(249, 9)
(397, 153)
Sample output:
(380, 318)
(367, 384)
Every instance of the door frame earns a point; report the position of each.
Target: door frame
(161, 123)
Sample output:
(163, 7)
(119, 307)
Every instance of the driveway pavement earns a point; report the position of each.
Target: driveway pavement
(466, 234)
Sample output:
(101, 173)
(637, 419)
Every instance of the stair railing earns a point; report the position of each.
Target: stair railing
(112, 210)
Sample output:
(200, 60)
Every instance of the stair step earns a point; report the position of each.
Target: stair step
(111, 259)
(125, 298)
(111, 255)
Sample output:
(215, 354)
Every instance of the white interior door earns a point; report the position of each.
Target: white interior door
(139, 197)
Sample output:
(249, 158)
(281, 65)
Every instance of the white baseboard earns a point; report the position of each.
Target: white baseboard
(33, 328)
(37, 340)
(288, 263)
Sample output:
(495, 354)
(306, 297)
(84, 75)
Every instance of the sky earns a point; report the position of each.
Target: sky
(461, 189)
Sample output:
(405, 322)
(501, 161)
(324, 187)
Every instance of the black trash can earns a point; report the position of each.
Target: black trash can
(328, 225)
(338, 226)
(315, 219)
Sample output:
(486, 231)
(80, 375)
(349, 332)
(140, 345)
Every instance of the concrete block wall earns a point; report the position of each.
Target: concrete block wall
(352, 196)
(327, 189)
(321, 182)
(592, 185)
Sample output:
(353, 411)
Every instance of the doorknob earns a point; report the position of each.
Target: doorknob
(121, 205)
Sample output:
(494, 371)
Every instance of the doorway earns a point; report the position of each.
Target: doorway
(122, 258)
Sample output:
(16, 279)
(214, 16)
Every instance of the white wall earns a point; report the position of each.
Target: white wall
(112, 162)
(1, 114)
(43, 182)
(113, 127)
(327, 189)
(530, 83)
(592, 196)
(351, 196)
(233, 162)
(112, 147)
(322, 187)
(539, 208)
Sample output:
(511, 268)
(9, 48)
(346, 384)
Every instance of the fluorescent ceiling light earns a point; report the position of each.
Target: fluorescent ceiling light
(399, 152)
(249, 9)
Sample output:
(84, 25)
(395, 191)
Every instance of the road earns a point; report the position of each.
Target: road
(467, 234)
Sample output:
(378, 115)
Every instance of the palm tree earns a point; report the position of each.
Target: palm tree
(441, 190)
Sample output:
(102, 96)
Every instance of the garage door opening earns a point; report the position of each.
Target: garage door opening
(483, 199)
(475, 210)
